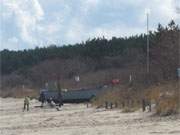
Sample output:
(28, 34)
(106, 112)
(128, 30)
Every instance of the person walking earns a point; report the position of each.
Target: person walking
(26, 103)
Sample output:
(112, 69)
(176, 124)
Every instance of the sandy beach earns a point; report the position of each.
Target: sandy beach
(77, 119)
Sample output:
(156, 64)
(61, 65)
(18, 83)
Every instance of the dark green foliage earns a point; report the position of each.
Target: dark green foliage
(37, 66)
(96, 49)
(165, 50)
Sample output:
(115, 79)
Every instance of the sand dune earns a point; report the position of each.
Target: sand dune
(76, 119)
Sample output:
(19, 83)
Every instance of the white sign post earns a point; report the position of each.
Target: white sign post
(77, 79)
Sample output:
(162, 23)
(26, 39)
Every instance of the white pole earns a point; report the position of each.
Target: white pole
(147, 43)
(130, 78)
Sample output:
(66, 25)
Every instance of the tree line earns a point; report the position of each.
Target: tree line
(95, 48)
(36, 66)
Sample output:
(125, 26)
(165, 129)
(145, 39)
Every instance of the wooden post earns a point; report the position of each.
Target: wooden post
(143, 105)
(150, 106)
(106, 105)
(111, 105)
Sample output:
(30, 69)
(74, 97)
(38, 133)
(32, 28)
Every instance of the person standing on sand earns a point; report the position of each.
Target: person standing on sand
(26, 103)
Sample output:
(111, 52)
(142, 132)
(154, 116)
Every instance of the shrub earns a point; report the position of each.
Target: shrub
(166, 98)
(18, 93)
(167, 105)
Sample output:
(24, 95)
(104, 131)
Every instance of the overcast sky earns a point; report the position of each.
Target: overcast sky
(29, 23)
